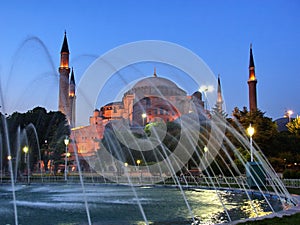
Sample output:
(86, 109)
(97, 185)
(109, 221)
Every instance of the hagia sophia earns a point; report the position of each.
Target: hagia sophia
(140, 105)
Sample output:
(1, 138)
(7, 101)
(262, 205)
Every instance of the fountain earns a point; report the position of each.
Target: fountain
(142, 174)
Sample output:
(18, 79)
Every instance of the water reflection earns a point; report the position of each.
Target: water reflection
(115, 204)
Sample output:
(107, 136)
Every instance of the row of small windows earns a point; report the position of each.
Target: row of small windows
(161, 89)
(156, 111)
(114, 108)
(85, 138)
(161, 111)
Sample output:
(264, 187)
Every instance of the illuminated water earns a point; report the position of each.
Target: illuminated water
(115, 204)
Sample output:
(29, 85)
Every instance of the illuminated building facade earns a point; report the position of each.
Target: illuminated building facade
(152, 99)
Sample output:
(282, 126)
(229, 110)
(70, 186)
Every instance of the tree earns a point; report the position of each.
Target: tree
(294, 126)
(281, 148)
(42, 131)
(265, 128)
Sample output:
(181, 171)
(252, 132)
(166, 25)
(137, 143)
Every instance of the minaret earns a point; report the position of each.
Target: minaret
(252, 84)
(72, 98)
(64, 71)
(154, 73)
(219, 96)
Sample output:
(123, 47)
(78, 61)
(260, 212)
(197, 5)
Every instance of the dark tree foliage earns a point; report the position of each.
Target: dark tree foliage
(281, 148)
(125, 154)
(265, 128)
(43, 132)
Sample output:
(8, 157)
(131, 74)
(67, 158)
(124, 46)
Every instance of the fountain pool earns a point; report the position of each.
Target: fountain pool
(62, 204)
(163, 151)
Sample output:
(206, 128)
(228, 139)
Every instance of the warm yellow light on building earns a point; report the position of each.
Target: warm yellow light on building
(252, 76)
(64, 60)
(64, 64)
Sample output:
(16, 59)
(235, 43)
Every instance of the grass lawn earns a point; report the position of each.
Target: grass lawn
(295, 191)
(285, 220)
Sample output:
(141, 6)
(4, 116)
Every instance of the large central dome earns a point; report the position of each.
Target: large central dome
(155, 82)
(156, 86)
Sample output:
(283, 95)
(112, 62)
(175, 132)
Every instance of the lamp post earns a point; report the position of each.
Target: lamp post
(125, 169)
(66, 156)
(144, 115)
(204, 89)
(138, 163)
(289, 112)
(25, 150)
(9, 158)
(250, 131)
(126, 165)
(26, 160)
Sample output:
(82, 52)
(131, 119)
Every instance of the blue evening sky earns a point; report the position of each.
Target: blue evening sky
(220, 32)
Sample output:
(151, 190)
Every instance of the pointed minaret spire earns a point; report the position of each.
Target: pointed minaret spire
(64, 53)
(64, 73)
(219, 98)
(65, 46)
(252, 83)
(72, 100)
(154, 73)
(72, 84)
(251, 61)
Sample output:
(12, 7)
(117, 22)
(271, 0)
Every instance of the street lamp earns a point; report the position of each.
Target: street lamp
(138, 163)
(290, 112)
(204, 89)
(25, 150)
(125, 169)
(250, 131)
(26, 160)
(66, 156)
(144, 115)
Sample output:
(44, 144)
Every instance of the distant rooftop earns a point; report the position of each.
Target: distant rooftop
(281, 123)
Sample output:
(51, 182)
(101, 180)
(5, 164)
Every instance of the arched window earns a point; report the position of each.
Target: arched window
(148, 102)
